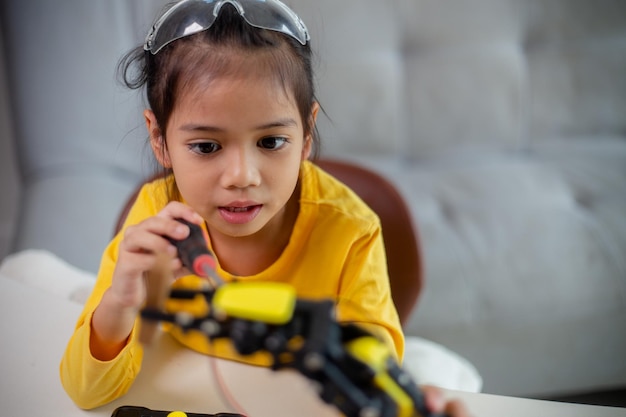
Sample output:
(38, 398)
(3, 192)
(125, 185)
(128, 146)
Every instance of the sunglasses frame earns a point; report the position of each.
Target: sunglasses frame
(189, 17)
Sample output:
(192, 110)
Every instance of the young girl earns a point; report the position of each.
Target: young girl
(232, 120)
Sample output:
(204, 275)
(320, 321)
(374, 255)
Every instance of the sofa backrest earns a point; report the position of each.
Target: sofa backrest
(9, 178)
(71, 116)
(417, 77)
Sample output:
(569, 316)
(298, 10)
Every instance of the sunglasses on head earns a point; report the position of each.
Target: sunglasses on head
(192, 16)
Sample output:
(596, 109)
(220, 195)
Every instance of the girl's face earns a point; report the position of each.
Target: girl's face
(235, 149)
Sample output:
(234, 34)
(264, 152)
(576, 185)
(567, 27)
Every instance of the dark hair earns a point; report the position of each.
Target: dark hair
(191, 58)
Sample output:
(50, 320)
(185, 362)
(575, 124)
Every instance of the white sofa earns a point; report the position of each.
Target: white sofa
(502, 122)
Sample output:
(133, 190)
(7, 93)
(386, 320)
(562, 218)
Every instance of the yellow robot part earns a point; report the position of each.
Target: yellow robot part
(268, 302)
(375, 354)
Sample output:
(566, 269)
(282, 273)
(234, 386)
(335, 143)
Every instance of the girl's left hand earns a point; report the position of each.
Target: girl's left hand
(437, 403)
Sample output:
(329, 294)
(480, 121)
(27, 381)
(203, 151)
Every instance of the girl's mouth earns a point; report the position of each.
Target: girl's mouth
(239, 215)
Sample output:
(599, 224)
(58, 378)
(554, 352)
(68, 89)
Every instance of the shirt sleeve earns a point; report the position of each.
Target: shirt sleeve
(88, 381)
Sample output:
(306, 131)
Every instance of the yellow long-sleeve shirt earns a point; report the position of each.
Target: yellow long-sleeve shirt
(335, 251)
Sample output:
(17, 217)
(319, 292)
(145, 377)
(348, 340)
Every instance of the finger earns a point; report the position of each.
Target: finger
(162, 228)
(158, 280)
(437, 403)
(171, 226)
(175, 209)
(150, 239)
(456, 408)
(434, 398)
(182, 271)
(135, 264)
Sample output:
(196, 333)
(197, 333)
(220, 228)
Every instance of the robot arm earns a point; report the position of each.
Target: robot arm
(354, 370)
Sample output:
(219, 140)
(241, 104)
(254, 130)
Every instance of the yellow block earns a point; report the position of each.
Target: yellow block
(375, 354)
(267, 302)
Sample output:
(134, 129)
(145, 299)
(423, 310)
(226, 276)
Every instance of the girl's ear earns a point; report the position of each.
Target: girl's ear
(157, 141)
(308, 139)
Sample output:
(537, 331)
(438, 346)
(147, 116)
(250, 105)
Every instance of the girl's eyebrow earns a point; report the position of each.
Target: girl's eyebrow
(286, 122)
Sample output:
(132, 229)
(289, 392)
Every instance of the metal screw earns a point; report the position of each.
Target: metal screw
(313, 361)
(210, 327)
(369, 412)
(183, 319)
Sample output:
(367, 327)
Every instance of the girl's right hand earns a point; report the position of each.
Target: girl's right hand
(145, 249)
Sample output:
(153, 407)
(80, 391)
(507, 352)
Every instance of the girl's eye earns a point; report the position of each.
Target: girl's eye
(204, 148)
(272, 143)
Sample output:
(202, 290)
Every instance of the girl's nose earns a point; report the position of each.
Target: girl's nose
(240, 170)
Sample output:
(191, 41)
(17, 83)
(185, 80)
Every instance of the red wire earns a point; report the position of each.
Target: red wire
(227, 396)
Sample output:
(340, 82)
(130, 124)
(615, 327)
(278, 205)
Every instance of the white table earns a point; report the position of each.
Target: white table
(35, 326)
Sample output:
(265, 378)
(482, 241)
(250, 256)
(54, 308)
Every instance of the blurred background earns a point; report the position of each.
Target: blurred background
(501, 122)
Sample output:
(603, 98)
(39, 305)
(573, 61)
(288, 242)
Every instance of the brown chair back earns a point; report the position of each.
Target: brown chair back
(404, 256)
